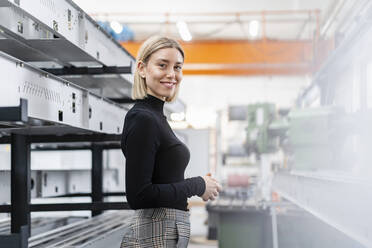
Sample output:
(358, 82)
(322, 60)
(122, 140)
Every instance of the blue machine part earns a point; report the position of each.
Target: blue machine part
(125, 35)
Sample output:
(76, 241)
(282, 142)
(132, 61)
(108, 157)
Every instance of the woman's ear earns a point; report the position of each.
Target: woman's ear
(141, 67)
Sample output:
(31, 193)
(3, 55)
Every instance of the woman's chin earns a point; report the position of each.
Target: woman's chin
(168, 94)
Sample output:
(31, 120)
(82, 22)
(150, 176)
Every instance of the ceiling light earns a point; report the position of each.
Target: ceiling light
(254, 26)
(184, 31)
(116, 26)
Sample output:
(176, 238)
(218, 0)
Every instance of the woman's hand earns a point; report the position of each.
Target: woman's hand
(212, 188)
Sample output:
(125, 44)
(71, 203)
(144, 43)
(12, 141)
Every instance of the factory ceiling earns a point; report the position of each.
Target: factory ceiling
(270, 37)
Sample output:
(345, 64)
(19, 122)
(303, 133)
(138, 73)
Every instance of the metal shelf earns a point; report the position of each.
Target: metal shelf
(62, 30)
(54, 101)
(61, 35)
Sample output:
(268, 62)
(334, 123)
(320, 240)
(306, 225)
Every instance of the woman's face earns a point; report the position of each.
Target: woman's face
(162, 72)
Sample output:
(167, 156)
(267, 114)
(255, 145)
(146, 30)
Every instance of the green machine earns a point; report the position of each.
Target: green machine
(310, 136)
(266, 128)
(259, 118)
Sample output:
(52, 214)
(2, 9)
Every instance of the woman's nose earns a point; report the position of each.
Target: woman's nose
(171, 73)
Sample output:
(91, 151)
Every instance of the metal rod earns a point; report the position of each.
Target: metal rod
(72, 206)
(274, 227)
(74, 148)
(68, 138)
(79, 206)
(89, 70)
(97, 176)
(20, 183)
(106, 194)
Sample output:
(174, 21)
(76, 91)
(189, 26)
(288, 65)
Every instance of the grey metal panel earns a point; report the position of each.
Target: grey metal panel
(109, 85)
(4, 4)
(342, 201)
(21, 51)
(52, 19)
(50, 98)
(61, 49)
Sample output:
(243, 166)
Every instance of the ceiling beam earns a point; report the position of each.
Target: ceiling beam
(241, 57)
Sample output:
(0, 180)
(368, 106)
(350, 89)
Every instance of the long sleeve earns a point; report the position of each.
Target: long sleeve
(140, 144)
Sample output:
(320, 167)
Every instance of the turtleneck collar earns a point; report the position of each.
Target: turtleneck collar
(154, 102)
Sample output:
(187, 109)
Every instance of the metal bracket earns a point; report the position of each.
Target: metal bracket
(17, 113)
(16, 240)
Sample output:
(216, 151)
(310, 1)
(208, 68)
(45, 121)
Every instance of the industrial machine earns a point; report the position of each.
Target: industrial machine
(321, 148)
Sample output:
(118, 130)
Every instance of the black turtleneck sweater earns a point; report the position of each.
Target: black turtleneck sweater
(155, 160)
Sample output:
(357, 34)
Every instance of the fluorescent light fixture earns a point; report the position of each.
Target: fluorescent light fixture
(116, 26)
(177, 116)
(184, 31)
(254, 26)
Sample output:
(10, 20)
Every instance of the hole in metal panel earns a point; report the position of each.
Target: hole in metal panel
(60, 115)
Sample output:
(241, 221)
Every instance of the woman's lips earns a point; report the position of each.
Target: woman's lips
(169, 85)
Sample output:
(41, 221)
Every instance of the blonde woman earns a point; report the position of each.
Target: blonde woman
(155, 158)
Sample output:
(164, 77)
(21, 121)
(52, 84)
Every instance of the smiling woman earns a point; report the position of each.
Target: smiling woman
(163, 72)
(159, 69)
(155, 158)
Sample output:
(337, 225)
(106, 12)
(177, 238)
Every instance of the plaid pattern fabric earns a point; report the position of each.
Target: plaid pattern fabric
(158, 228)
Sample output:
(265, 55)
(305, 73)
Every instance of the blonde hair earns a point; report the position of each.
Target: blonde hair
(150, 46)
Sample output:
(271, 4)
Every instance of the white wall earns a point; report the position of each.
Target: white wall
(198, 143)
(204, 95)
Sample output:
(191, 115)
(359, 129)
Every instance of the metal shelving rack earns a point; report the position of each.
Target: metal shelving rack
(63, 79)
(62, 39)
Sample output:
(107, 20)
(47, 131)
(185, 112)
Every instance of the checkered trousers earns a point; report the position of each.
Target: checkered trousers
(158, 228)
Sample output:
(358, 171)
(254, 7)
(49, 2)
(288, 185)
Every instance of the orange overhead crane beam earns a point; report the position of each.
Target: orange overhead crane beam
(264, 57)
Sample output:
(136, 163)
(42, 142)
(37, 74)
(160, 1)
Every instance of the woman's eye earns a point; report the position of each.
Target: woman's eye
(178, 68)
(162, 65)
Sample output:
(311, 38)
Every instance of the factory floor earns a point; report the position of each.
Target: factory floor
(198, 220)
(199, 229)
